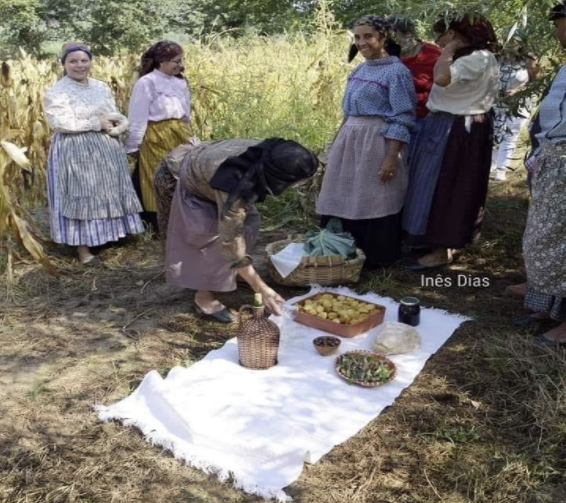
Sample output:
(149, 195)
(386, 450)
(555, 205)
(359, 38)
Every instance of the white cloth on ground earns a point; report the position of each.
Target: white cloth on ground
(260, 426)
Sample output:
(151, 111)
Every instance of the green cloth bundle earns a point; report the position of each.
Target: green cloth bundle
(330, 241)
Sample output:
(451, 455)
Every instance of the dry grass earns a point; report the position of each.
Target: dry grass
(485, 422)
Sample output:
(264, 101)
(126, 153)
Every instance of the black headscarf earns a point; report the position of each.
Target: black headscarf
(557, 12)
(264, 169)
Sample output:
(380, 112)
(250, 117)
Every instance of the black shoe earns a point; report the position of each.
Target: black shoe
(541, 340)
(418, 267)
(526, 320)
(223, 316)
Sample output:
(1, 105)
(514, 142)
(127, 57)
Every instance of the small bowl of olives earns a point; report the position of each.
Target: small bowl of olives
(326, 345)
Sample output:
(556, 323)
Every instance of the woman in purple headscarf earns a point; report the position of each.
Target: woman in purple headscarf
(91, 197)
(366, 177)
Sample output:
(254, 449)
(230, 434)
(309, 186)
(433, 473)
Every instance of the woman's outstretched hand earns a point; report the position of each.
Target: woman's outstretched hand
(272, 300)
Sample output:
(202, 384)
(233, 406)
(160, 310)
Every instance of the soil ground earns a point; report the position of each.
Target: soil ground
(484, 422)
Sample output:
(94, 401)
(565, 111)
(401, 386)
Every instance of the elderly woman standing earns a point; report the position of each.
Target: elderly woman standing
(213, 222)
(450, 169)
(544, 241)
(159, 115)
(366, 177)
(91, 197)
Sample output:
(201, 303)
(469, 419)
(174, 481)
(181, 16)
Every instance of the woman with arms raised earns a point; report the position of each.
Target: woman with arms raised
(452, 158)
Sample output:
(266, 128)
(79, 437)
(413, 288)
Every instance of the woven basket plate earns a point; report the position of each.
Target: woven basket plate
(388, 363)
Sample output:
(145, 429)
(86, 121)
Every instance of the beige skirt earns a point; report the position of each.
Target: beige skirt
(351, 187)
(193, 252)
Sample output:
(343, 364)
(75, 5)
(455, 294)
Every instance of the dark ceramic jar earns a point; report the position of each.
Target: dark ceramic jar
(409, 311)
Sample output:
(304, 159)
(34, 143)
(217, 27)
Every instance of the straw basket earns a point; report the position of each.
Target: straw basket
(327, 270)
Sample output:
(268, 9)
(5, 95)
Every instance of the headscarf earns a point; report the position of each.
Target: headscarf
(70, 47)
(164, 50)
(267, 168)
(402, 23)
(477, 29)
(557, 12)
(382, 27)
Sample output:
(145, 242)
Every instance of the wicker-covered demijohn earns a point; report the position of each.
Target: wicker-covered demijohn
(258, 340)
(326, 270)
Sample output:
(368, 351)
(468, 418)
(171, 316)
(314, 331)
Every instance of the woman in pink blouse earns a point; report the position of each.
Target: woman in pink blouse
(159, 115)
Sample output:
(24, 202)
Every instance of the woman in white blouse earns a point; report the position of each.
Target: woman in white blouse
(159, 115)
(91, 197)
(517, 68)
(450, 168)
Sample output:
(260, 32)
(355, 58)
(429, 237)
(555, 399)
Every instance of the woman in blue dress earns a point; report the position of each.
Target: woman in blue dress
(366, 177)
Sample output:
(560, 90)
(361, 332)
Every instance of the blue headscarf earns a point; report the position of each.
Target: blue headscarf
(75, 48)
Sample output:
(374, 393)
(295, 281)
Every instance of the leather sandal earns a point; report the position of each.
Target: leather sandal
(418, 267)
(526, 320)
(541, 340)
(93, 262)
(222, 316)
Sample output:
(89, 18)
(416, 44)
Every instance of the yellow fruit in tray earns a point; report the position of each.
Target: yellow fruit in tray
(337, 308)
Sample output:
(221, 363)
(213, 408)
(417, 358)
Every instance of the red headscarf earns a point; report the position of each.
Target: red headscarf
(477, 29)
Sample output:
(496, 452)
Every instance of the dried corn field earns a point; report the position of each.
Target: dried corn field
(483, 423)
(251, 88)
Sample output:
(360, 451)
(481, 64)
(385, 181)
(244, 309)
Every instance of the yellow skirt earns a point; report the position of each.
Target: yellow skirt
(160, 138)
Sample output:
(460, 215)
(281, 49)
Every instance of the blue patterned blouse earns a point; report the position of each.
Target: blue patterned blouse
(383, 88)
(552, 111)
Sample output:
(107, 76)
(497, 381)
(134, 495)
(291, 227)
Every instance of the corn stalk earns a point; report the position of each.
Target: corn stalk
(17, 231)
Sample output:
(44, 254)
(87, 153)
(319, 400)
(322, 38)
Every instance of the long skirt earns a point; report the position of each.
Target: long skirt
(193, 251)
(544, 240)
(460, 192)
(90, 193)
(543, 303)
(160, 138)
(379, 238)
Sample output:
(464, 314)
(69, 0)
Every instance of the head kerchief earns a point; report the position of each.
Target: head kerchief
(264, 169)
(558, 11)
(477, 29)
(69, 48)
(164, 50)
